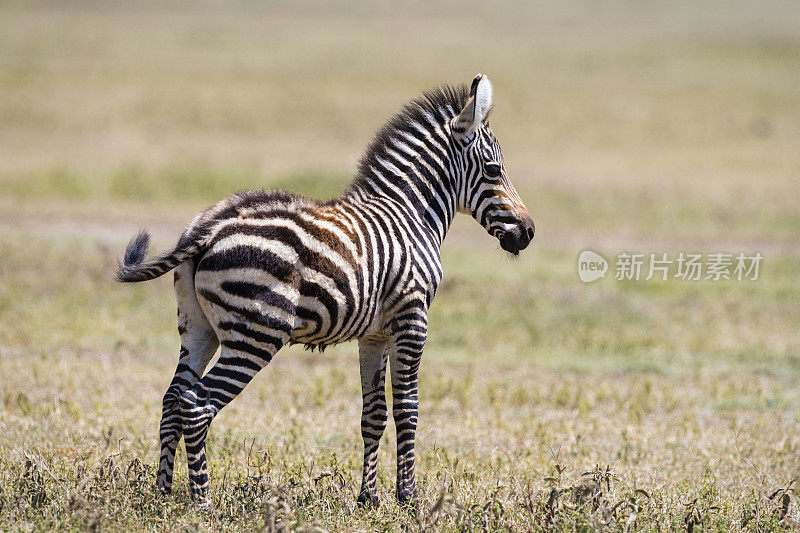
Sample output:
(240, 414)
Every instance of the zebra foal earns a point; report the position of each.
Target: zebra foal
(263, 269)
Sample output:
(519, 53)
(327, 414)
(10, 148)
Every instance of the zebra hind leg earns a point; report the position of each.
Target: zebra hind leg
(186, 375)
(244, 352)
(198, 344)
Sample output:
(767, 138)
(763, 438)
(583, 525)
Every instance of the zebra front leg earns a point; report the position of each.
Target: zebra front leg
(407, 342)
(239, 361)
(372, 360)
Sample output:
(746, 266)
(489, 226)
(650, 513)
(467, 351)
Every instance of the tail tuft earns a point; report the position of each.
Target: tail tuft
(135, 254)
(137, 249)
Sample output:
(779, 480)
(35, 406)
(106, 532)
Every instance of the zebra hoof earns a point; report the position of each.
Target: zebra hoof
(408, 500)
(201, 501)
(368, 501)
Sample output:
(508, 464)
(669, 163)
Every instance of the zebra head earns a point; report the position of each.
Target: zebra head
(487, 192)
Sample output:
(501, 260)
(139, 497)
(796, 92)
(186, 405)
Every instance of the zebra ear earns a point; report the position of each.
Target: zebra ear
(478, 106)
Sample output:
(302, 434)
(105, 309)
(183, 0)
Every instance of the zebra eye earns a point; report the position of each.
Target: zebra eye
(492, 169)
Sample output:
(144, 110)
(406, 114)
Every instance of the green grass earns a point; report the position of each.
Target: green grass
(167, 185)
(546, 403)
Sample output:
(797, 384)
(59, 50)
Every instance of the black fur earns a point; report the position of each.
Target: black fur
(135, 254)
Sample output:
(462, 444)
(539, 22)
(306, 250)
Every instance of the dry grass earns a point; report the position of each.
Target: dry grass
(546, 403)
(494, 445)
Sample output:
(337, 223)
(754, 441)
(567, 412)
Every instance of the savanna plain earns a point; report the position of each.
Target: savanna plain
(545, 403)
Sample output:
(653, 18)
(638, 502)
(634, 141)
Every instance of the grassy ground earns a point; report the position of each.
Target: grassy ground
(545, 402)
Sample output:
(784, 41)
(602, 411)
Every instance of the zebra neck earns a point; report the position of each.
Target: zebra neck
(413, 162)
(429, 200)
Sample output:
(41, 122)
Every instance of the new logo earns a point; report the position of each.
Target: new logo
(591, 266)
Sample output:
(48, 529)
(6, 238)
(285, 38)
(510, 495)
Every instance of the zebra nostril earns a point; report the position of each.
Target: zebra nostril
(530, 232)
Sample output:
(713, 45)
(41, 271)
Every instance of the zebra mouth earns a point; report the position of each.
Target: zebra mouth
(507, 243)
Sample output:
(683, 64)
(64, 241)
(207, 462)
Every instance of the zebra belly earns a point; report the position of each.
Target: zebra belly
(317, 326)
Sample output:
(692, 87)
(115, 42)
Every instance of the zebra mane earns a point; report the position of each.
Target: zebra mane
(439, 105)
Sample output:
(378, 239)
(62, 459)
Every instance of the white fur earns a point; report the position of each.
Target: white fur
(483, 100)
(473, 114)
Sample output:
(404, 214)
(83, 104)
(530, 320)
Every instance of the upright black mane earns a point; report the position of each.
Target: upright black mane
(442, 103)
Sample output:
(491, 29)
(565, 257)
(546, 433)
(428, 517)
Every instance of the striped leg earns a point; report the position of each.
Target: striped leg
(408, 341)
(190, 366)
(242, 356)
(198, 344)
(372, 359)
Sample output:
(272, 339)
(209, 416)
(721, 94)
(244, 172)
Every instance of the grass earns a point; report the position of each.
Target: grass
(545, 403)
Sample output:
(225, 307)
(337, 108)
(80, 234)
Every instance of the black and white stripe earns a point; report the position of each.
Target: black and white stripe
(261, 270)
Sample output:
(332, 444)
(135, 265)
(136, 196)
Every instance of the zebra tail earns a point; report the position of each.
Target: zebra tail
(133, 267)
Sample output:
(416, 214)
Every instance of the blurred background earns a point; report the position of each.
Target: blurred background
(659, 127)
